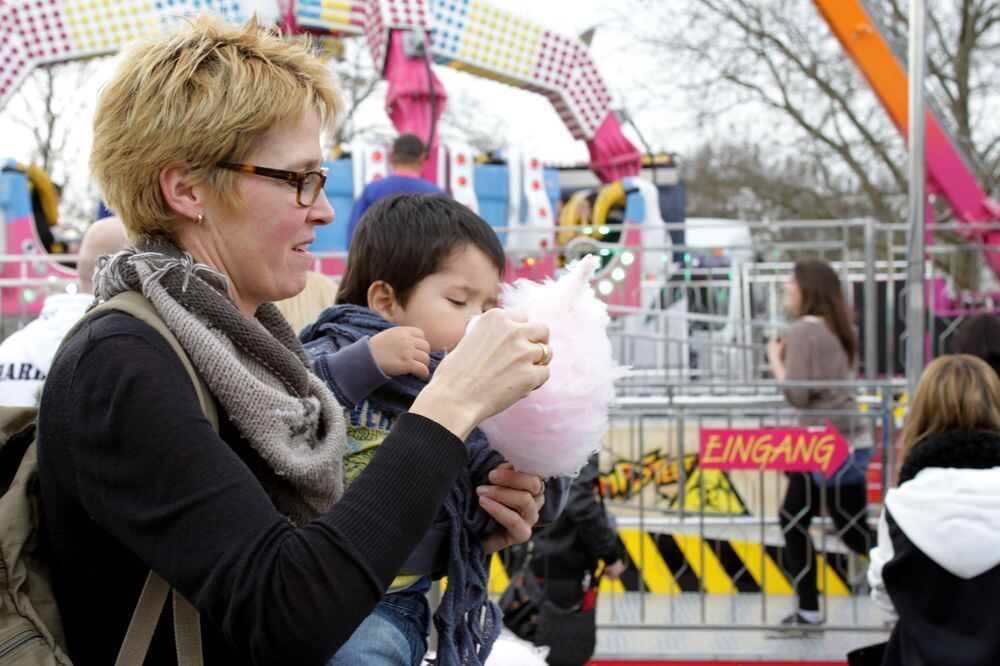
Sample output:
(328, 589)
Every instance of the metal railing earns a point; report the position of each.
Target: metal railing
(729, 542)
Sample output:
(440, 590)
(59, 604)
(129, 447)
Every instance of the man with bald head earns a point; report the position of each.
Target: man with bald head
(26, 355)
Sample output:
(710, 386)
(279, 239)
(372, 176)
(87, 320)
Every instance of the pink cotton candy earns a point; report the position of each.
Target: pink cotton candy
(554, 430)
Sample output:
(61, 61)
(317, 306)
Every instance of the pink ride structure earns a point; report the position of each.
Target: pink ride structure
(404, 37)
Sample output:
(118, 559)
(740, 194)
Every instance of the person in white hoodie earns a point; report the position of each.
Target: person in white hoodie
(936, 568)
(26, 355)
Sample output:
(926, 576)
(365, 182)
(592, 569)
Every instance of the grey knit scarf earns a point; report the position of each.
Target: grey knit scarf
(255, 369)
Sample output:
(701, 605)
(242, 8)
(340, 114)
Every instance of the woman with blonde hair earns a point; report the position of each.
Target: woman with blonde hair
(937, 563)
(207, 145)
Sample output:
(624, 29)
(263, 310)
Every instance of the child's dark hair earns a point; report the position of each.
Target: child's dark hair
(403, 238)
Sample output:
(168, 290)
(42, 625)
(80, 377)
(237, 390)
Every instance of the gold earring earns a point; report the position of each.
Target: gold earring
(199, 219)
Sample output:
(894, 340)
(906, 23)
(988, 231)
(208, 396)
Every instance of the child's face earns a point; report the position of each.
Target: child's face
(442, 304)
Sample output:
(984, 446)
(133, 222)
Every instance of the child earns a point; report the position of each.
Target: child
(420, 267)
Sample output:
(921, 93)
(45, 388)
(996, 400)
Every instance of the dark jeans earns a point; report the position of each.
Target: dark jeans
(848, 506)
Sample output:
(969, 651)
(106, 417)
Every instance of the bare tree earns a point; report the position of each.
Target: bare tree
(741, 179)
(362, 87)
(48, 109)
(466, 119)
(775, 67)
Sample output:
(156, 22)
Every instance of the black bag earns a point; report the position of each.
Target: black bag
(521, 603)
(569, 633)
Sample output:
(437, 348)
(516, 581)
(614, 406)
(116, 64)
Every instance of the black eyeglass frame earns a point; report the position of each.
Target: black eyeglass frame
(297, 177)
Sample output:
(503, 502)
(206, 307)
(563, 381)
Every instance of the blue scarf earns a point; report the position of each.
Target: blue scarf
(465, 634)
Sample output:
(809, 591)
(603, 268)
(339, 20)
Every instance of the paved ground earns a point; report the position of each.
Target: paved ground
(736, 627)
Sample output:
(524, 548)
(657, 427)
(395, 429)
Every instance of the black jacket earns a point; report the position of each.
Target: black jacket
(581, 536)
(132, 476)
(937, 564)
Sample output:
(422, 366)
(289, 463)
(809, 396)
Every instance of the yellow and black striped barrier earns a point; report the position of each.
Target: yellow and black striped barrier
(676, 563)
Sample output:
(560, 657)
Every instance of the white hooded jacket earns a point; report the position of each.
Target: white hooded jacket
(943, 519)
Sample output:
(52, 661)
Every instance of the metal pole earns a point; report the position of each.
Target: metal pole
(917, 199)
(871, 304)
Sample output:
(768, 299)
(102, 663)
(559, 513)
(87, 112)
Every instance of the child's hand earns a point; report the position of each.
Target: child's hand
(614, 570)
(401, 350)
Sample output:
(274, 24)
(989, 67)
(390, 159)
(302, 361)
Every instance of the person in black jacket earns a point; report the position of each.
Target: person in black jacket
(567, 553)
(937, 564)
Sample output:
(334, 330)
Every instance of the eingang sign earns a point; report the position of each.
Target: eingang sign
(787, 449)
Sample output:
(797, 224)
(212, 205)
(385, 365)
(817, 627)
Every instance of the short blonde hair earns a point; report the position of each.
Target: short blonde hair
(956, 392)
(203, 93)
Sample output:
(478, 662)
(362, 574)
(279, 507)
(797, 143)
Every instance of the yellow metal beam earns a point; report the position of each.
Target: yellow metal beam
(765, 572)
(705, 565)
(646, 556)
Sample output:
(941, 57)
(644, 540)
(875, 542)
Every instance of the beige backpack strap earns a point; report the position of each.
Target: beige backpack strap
(143, 623)
(187, 625)
(187, 632)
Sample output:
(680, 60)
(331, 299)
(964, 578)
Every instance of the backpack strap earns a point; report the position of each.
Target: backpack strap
(187, 626)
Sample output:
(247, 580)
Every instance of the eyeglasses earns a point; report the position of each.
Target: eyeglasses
(308, 183)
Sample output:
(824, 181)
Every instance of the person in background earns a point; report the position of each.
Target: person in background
(820, 345)
(936, 568)
(206, 143)
(103, 211)
(26, 355)
(406, 159)
(566, 555)
(980, 336)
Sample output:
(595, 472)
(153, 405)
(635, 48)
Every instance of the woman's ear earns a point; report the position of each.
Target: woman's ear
(182, 197)
(382, 299)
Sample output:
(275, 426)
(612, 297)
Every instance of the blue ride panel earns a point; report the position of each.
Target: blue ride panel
(635, 205)
(15, 200)
(492, 191)
(339, 190)
(552, 189)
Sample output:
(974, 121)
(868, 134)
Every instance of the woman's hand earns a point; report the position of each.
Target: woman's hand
(514, 500)
(776, 356)
(775, 349)
(401, 350)
(496, 364)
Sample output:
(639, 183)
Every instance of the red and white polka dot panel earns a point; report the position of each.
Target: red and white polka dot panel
(402, 14)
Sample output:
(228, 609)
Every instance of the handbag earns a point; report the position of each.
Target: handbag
(569, 633)
(521, 602)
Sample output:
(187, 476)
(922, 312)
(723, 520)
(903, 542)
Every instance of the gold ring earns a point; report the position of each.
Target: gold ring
(546, 354)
